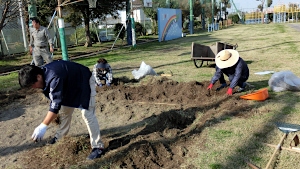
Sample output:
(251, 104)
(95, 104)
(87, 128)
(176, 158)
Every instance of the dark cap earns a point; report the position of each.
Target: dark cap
(101, 65)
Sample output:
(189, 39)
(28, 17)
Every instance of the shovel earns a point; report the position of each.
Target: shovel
(286, 128)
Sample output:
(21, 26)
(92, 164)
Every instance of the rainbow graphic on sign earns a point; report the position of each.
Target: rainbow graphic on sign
(169, 24)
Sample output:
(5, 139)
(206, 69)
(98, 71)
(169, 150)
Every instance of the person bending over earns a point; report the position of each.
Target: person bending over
(229, 63)
(68, 85)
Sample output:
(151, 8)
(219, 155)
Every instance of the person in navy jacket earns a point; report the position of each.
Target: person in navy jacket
(68, 85)
(229, 63)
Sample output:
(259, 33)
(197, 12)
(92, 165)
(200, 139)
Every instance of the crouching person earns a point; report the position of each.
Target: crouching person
(102, 71)
(229, 63)
(68, 85)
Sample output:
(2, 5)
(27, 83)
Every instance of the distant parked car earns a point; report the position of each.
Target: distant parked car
(105, 36)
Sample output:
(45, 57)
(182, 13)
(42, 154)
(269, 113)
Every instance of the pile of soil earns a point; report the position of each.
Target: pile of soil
(149, 124)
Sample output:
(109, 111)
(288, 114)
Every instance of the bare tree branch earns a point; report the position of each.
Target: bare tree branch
(10, 11)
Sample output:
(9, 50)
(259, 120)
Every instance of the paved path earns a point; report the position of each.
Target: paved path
(295, 26)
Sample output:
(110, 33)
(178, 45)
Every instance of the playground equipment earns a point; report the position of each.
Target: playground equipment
(201, 53)
(281, 14)
(254, 17)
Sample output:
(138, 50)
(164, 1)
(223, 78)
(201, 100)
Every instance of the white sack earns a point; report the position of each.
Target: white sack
(284, 80)
(143, 71)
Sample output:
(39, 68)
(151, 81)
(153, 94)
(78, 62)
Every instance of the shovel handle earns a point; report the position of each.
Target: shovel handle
(277, 148)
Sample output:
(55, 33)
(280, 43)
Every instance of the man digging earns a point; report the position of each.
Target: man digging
(229, 63)
(68, 85)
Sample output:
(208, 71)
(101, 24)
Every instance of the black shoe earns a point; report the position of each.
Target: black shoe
(53, 141)
(240, 89)
(96, 153)
(222, 86)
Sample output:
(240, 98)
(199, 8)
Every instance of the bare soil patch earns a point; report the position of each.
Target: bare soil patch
(147, 124)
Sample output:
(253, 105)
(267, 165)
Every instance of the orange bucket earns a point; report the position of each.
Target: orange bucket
(259, 95)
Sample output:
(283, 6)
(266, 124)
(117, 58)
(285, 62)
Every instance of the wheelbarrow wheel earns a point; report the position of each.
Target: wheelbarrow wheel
(198, 63)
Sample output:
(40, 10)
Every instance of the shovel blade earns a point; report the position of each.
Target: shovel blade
(287, 127)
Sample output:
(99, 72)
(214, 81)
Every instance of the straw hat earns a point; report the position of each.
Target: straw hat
(227, 58)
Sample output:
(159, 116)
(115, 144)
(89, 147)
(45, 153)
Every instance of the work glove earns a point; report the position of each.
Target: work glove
(229, 91)
(210, 86)
(39, 132)
(108, 84)
(222, 86)
(100, 85)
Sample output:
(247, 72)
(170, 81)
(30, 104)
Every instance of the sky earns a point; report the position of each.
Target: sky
(247, 5)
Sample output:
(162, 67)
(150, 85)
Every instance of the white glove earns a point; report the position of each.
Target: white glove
(39, 132)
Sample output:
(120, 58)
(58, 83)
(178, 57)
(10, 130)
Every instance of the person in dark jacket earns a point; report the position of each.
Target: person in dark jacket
(229, 63)
(68, 85)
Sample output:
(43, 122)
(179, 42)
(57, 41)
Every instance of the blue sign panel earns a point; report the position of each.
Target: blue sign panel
(169, 24)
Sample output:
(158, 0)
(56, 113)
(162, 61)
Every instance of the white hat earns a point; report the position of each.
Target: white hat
(227, 58)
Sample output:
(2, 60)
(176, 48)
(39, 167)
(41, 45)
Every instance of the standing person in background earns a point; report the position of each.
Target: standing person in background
(39, 39)
(229, 63)
(102, 71)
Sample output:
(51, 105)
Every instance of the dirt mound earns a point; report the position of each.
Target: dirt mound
(156, 123)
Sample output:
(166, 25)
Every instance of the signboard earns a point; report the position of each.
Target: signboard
(169, 24)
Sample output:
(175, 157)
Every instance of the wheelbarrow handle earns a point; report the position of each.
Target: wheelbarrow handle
(277, 148)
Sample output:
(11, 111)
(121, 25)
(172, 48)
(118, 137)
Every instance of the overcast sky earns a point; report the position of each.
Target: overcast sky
(246, 5)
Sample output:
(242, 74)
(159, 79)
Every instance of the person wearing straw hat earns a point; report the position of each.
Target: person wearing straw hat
(229, 63)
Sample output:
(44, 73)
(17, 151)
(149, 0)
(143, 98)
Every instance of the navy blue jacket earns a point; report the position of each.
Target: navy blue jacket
(67, 84)
(236, 73)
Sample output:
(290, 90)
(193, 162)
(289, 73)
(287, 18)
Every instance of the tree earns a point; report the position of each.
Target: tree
(10, 11)
(75, 19)
(234, 17)
(227, 4)
(103, 8)
(117, 29)
(261, 6)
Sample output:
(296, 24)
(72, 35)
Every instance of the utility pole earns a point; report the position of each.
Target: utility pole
(32, 11)
(238, 12)
(212, 13)
(23, 25)
(128, 23)
(203, 13)
(132, 27)
(191, 17)
(61, 29)
(266, 12)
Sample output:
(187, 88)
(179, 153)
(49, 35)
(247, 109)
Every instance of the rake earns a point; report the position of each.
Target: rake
(286, 128)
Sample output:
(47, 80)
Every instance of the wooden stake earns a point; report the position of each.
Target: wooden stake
(158, 103)
(277, 148)
(284, 148)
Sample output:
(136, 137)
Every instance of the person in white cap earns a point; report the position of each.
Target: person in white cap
(229, 63)
(102, 71)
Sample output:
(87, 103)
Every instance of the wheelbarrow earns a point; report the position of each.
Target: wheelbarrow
(201, 53)
(286, 128)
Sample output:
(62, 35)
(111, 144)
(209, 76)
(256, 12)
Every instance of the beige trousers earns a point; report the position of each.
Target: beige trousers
(41, 53)
(65, 117)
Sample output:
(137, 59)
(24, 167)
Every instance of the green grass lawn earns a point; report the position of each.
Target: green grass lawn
(265, 47)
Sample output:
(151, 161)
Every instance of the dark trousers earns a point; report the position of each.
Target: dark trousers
(240, 81)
